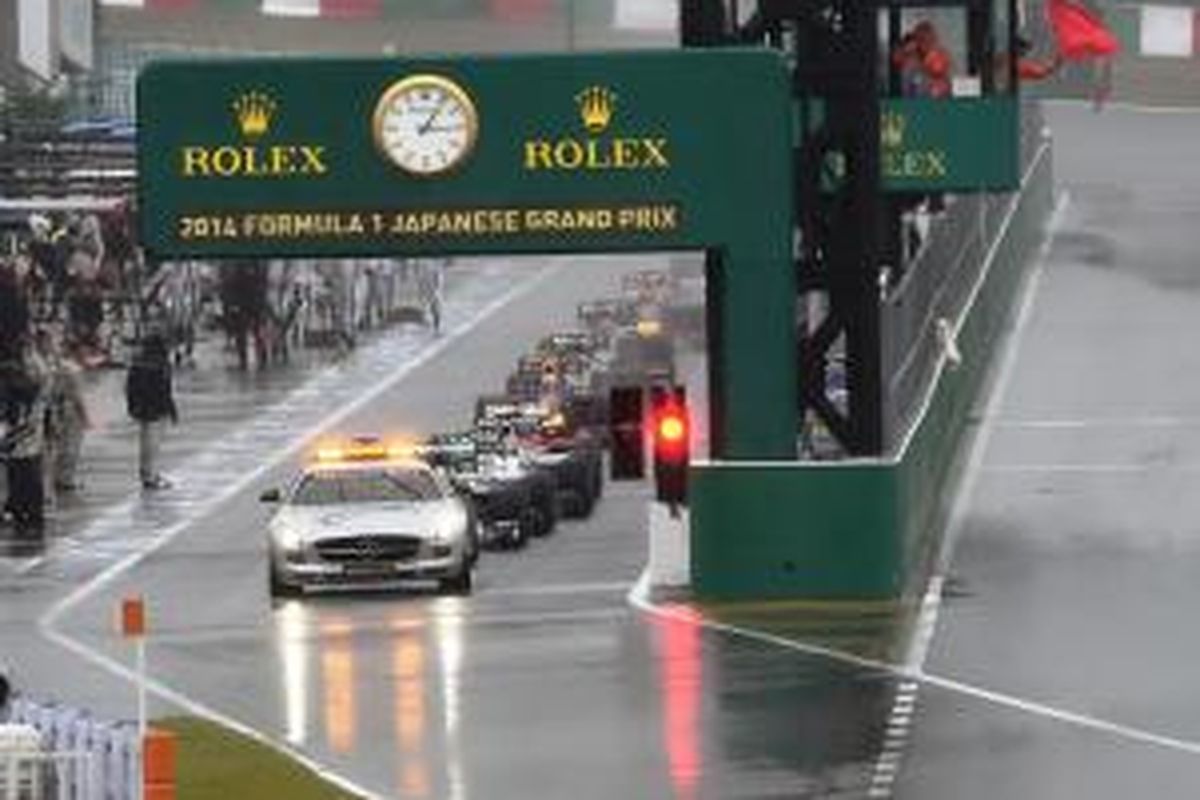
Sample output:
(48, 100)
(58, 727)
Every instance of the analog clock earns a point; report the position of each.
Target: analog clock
(426, 125)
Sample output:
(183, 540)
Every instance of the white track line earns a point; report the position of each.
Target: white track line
(1097, 423)
(1135, 108)
(910, 678)
(912, 671)
(48, 622)
(181, 701)
(985, 272)
(1091, 469)
(892, 754)
(931, 602)
(297, 445)
(25, 566)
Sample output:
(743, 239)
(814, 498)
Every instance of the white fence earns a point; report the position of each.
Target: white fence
(38, 775)
(77, 757)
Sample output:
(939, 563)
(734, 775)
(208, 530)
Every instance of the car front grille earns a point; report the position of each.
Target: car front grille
(368, 549)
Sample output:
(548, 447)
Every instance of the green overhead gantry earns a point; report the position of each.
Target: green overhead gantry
(706, 149)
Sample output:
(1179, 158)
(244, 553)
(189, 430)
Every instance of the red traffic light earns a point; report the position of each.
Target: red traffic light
(672, 448)
(672, 427)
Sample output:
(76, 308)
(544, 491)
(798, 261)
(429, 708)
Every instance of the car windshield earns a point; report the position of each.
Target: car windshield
(390, 485)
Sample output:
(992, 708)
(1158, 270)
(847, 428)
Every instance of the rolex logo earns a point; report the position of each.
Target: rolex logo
(891, 129)
(253, 111)
(596, 105)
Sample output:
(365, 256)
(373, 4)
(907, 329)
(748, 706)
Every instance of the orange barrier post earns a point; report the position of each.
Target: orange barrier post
(158, 765)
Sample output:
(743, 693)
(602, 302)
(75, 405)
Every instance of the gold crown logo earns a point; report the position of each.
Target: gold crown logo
(891, 129)
(253, 111)
(596, 106)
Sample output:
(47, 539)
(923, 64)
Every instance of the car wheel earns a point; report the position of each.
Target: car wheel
(587, 501)
(531, 523)
(518, 537)
(474, 546)
(550, 513)
(460, 584)
(598, 479)
(280, 588)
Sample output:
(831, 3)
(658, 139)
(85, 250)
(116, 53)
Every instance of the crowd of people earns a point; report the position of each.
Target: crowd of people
(75, 295)
(52, 284)
(42, 425)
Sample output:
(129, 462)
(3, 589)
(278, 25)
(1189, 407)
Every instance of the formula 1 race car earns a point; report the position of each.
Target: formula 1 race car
(603, 318)
(570, 455)
(512, 501)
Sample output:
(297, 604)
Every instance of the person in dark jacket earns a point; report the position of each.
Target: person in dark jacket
(6, 695)
(22, 437)
(150, 401)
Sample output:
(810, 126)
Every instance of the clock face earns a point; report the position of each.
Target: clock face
(426, 125)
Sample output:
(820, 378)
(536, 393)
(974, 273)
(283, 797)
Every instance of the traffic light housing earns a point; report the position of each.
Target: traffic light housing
(626, 433)
(671, 435)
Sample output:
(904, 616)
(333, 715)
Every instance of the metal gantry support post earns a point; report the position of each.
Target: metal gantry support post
(849, 227)
(834, 49)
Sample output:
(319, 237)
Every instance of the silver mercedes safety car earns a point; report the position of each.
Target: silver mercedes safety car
(369, 516)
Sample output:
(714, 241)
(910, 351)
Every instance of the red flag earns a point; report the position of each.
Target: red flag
(1080, 33)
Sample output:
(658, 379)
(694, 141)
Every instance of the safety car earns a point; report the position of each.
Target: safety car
(368, 515)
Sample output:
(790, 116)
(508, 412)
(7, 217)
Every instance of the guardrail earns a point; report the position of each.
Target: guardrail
(937, 284)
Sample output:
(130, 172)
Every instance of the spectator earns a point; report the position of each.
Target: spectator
(923, 62)
(24, 380)
(149, 400)
(243, 288)
(66, 415)
(47, 250)
(85, 304)
(6, 693)
(14, 312)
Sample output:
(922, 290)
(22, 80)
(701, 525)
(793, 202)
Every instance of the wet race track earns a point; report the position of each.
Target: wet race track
(1063, 659)
(1077, 569)
(546, 682)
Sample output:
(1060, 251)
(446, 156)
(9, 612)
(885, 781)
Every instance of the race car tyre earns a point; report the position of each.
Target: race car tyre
(280, 588)
(460, 584)
(532, 523)
(598, 479)
(548, 515)
(587, 502)
(518, 537)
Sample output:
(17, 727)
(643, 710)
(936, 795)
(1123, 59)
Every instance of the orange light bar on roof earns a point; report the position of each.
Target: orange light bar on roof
(648, 327)
(365, 451)
(330, 454)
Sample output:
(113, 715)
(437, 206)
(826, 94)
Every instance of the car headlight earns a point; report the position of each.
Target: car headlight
(449, 530)
(288, 539)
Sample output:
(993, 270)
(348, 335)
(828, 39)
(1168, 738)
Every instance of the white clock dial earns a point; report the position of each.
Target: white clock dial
(426, 125)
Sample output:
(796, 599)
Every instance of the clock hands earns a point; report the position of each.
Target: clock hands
(426, 126)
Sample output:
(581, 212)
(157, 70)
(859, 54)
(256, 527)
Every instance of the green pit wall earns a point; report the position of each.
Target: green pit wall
(865, 529)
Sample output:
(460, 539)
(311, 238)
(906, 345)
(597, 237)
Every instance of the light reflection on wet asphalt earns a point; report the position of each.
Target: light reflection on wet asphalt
(423, 702)
(544, 683)
(560, 691)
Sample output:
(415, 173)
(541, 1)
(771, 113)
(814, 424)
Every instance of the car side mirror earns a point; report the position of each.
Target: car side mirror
(270, 496)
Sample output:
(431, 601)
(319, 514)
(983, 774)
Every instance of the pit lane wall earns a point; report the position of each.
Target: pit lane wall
(868, 529)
